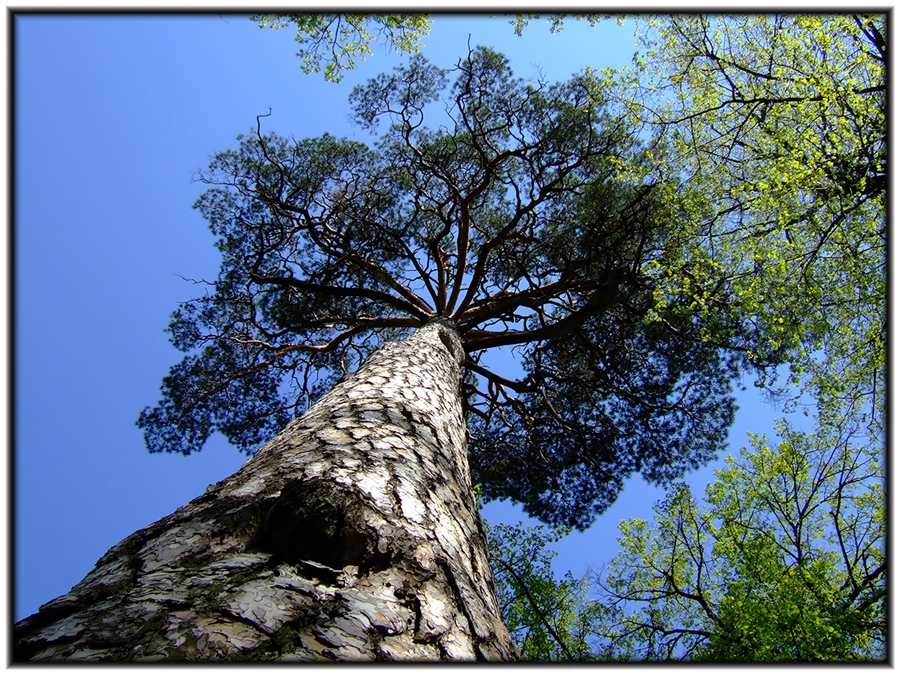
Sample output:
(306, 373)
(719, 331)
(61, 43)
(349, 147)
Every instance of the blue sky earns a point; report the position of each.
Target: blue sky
(114, 115)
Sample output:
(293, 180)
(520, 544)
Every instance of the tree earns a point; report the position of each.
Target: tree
(785, 562)
(338, 39)
(780, 120)
(353, 533)
(549, 619)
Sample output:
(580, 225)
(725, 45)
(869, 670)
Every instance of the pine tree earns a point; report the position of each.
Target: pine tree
(529, 218)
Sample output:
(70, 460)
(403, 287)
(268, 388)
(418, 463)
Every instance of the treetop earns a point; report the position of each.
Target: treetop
(525, 212)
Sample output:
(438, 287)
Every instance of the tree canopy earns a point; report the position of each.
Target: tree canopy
(780, 121)
(519, 217)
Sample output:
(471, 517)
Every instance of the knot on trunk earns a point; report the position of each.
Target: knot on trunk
(316, 521)
(449, 334)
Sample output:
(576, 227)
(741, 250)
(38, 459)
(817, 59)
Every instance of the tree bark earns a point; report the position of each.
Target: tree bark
(352, 535)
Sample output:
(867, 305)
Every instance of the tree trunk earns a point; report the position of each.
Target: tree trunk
(352, 535)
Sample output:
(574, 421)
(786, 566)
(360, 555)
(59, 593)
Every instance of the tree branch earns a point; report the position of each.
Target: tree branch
(517, 386)
(534, 605)
(339, 291)
(599, 301)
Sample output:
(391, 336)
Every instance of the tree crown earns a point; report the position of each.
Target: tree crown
(519, 219)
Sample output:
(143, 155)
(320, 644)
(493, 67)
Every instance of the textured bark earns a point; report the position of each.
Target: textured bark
(352, 535)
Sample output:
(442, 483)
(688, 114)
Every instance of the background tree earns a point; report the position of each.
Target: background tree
(339, 39)
(780, 120)
(549, 619)
(784, 560)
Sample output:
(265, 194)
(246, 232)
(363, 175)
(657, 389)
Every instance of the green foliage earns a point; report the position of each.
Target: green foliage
(556, 21)
(784, 562)
(777, 124)
(549, 619)
(339, 39)
(780, 121)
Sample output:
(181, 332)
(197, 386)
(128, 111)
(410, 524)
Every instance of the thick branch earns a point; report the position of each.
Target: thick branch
(867, 581)
(378, 272)
(339, 291)
(599, 301)
(504, 302)
(465, 227)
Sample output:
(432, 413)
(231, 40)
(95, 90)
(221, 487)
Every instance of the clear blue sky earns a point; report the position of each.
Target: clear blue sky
(113, 117)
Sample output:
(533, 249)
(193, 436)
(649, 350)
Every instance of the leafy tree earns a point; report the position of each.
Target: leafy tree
(780, 120)
(556, 21)
(549, 619)
(339, 39)
(784, 562)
